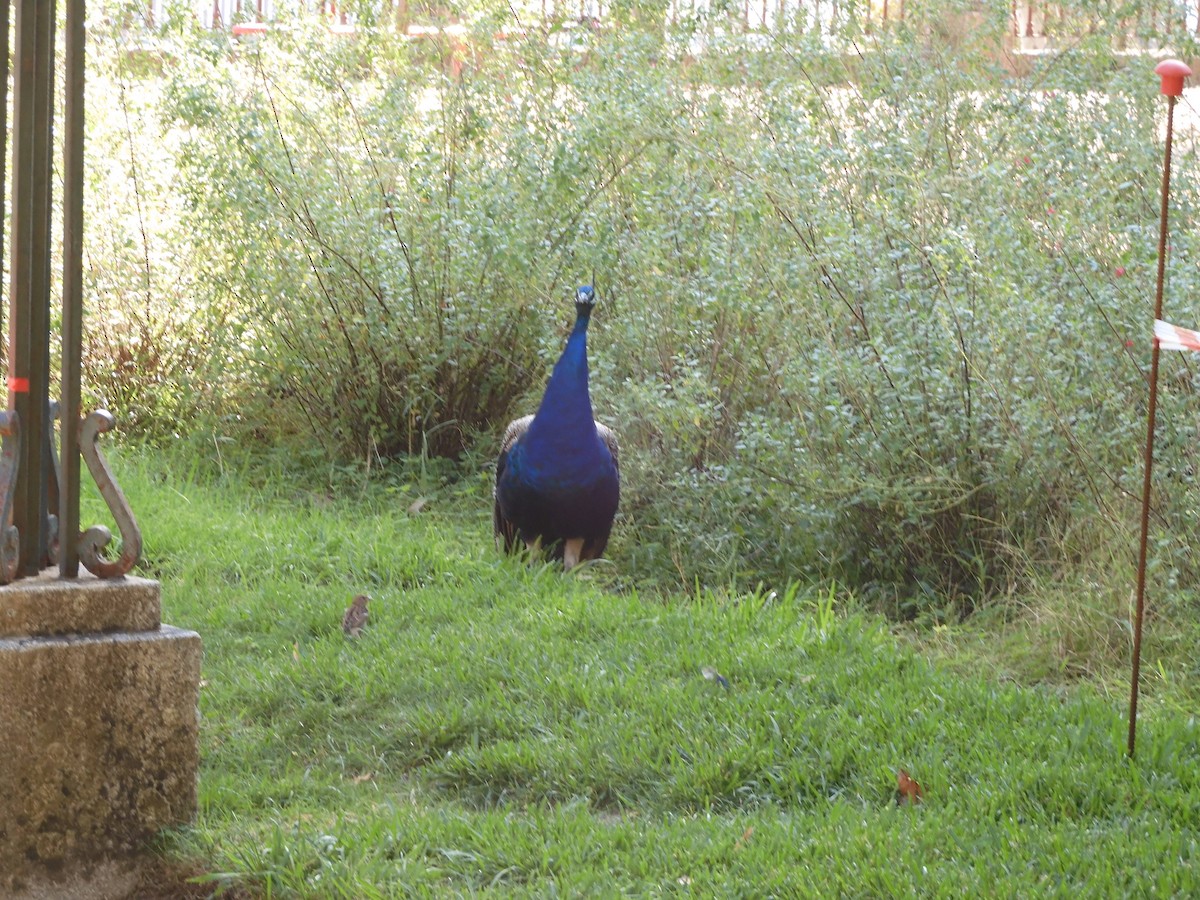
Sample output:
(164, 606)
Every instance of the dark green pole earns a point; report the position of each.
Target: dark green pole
(5, 13)
(29, 297)
(72, 311)
(25, 324)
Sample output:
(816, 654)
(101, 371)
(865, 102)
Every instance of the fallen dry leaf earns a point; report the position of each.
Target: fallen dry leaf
(907, 790)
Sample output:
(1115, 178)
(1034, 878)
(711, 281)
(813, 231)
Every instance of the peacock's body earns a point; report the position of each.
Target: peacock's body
(557, 479)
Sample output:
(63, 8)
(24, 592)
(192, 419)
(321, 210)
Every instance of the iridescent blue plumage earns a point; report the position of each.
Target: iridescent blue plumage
(557, 480)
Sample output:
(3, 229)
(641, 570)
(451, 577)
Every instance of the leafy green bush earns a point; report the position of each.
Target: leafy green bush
(880, 316)
(159, 335)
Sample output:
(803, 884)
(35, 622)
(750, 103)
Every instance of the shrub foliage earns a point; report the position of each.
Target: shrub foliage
(877, 312)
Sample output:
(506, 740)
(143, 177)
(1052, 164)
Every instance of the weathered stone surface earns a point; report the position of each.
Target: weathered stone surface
(99, 751)
(97, 880)
(48, 605)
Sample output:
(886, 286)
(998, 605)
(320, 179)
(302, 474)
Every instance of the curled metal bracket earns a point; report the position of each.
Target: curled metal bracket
(10, 540)
(56, 486)
(93, 541)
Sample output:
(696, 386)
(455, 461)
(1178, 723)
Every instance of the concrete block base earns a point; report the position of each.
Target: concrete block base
(100, 742)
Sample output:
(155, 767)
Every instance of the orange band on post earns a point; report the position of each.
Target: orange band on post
(18, 385)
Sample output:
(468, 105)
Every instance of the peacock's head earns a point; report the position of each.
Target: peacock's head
(585, 299)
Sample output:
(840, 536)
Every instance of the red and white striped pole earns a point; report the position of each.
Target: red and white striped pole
(1172, 72)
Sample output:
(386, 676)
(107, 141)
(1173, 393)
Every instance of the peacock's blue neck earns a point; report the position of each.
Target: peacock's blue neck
(565, 416)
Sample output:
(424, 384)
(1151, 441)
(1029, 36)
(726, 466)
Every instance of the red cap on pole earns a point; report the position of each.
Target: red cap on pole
(1172, 72)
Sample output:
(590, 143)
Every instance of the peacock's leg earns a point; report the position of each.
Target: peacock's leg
(572, 551)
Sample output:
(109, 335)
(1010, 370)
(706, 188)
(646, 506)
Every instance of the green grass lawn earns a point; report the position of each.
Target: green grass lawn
(504, 728)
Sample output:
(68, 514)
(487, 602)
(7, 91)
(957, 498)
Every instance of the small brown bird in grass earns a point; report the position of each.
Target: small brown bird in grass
(356, 616)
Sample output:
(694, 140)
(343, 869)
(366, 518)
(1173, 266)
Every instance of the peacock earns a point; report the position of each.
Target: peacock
(557, 476)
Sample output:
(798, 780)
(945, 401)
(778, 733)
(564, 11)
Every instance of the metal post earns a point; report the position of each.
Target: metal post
(72, 311)
(29, 310)
(1172, 73)
(40, 424)
(43, 179)
(5, 10)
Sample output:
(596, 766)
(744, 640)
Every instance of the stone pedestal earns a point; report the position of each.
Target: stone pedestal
(99, 733)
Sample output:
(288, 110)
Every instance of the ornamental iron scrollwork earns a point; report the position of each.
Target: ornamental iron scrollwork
(93, 541)
(10, 540)
(55, 486)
